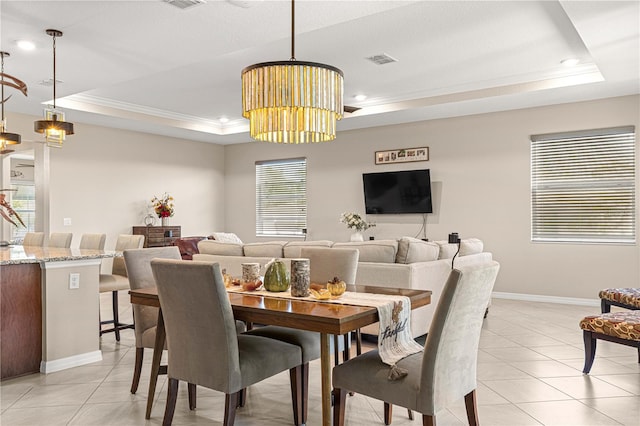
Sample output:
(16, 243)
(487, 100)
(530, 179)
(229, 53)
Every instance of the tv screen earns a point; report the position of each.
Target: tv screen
(407, 191)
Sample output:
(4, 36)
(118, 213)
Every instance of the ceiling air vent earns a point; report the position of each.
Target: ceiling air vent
(184, 4)
(382, 59)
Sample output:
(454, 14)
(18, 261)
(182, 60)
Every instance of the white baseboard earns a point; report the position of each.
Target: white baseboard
(546, 299)
(69, 362)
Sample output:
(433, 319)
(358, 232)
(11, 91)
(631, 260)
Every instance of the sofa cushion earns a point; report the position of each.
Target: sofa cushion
(216, 247)
(411, 250)
(225, 237)
(266, 249)
(382, 251)
(471, 246)
(467, 246)
(292, 248)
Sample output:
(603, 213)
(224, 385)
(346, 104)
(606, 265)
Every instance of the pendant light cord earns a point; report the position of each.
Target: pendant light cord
(293, 30)
(54, 71)
(2, 88)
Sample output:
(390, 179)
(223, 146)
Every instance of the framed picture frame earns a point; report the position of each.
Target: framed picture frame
(404, 155)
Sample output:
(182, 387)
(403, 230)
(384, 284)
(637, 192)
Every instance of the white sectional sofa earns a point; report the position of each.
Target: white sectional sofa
(404, 263)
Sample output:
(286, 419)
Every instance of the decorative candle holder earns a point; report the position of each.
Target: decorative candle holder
(250, 272)
(300, 278)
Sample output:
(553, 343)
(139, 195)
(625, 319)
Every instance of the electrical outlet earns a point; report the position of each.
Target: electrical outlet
(74, 281)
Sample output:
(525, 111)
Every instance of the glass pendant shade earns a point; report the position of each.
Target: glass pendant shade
(53, 127)
(292, 101)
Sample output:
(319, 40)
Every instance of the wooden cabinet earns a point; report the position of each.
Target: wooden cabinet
(158, 236)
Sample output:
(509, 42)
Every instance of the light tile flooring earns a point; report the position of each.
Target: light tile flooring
(529, 373)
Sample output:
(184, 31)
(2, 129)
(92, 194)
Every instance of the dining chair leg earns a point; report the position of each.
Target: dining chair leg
(358, 342)
(388, 413)
(339, 402)
(172, 396)
(192, 396)
(137, 370)
(471, 404)
(305, 392)
(410, 414)
(345, 353)
(295, 377)
(428, 420)
(242, 397)
(230, 404)
(116, 317)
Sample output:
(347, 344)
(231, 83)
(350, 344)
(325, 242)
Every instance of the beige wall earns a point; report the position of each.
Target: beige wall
(104, 178)
(481, 177)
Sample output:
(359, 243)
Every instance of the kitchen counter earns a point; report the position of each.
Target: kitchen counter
(13, 255)
(49, 308)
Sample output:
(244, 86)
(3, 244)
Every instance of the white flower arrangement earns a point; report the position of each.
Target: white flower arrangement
(355, 221)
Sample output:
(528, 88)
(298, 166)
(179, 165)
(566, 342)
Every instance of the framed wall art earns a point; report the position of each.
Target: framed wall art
(404, 155)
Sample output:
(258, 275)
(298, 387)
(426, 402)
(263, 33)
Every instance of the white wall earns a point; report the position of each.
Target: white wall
(104, 178)
(480, 168)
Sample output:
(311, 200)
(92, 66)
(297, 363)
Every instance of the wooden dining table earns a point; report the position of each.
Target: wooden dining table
(304, 314)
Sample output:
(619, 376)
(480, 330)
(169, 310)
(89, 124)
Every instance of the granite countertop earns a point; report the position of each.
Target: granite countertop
(13, 255)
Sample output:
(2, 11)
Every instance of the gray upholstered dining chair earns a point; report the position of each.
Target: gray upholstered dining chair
(325, 262)
(204, 347)
(138, 265)
(93, 241)
(445, 371)
(116, 281)
(60, 239)
(33, 239)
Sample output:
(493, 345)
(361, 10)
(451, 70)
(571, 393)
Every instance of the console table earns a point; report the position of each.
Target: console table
(158, 236)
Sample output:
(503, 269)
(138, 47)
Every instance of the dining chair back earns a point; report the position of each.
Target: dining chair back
(327, 263)
(93, 241)
(138, 266)
(33, 239)
(117, 280)
(204, 347)
(446, 371)
(60, 239)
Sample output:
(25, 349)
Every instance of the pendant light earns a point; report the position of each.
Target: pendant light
(7, 138)
(292, 101)
(53, 126)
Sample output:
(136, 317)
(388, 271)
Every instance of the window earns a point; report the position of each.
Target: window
(583, 186)
(23, 202)
(281, 198)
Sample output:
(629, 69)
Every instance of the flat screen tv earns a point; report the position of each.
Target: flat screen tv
(407, 191)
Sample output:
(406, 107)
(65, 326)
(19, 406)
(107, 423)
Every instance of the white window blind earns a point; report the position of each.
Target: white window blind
(281, 197)
(583, 186)
(23, 202)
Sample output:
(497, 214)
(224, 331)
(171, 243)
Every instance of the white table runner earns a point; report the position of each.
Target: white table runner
(394, 339)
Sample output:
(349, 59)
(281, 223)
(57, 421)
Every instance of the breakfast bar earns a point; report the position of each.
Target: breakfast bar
(49, 308)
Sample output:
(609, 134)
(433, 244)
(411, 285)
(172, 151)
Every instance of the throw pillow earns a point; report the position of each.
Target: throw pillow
(411, 250)
(226, 237)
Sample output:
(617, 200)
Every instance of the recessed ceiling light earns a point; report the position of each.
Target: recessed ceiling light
(223, 120)
(26, 44)
(570, 62)
(360, 97)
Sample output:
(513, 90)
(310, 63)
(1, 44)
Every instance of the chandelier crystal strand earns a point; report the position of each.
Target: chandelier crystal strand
(292, 101)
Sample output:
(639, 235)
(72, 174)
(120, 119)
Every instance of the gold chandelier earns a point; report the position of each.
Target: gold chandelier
(7, 138)
(292, 101)
(53, 126)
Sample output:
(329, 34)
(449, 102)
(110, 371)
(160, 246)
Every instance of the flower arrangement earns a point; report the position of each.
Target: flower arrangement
(355, 221)
(163, 206)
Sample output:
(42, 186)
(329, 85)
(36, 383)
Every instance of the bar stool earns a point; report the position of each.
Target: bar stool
(117, 280)
(60, 239)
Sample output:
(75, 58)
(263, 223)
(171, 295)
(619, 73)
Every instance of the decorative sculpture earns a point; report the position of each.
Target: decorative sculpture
(10, 212)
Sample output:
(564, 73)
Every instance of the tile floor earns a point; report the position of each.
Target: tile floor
(529, 373)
